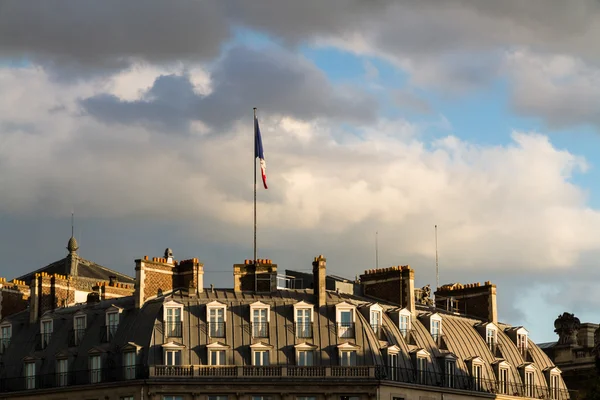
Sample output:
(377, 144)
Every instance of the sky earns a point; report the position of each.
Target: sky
(482, 118)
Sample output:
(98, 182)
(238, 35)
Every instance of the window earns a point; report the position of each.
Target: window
(345, 319)
(79, 326)
(303, 323)
(348, 358)
(126, 398)
(95, 369)
(376, 321)
(436, 329)
(421, 370)
(260, 358)
(112, 324)
(172, 357)
(217, 357)
(393, 366)
(306, 398)
(216, 322)
(62, 372)
(30, 375)
(173, 325)
(46, 332)
(449, 373)
(260, 324)
(306, 358)
(129, 364)
(554, 386)
(5, 336)
(503, 381)
(477, 375)
(522, 342)
(217, 397)
(404, 324)
(261, 397)
(172, 397)
(490, 338)
(528, 383)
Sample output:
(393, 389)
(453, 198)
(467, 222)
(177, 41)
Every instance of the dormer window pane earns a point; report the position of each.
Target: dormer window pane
(490, 338)
(404, 325)
(112, 324)
(554, 384)
(216, 321)
(376, 321)
(62, 372)
(346, 324)
(217, 357)
(95, 369)
(450, 372)
(173, 328)
(173, 357)
(259, 323)
(261, 358)
(393, 366)
(503, 381)
(306, 358)
(477, 375)
(528, 384)
(303, 323)
(79, 328)
(46, 333)
(348, 358)
(5, 337)
(30, 375)
(129, 364)
(436, 328)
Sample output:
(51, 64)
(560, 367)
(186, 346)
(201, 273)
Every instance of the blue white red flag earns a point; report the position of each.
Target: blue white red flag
(259, 153)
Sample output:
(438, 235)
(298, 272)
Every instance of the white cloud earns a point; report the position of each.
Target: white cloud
(505, 207)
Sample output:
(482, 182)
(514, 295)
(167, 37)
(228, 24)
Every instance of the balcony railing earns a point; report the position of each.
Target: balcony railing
(260, 329)
(72, 378)
(345, 329)
(108, 332)
(42, 340)
(303, 329)
(173, 328)
(216, 329)
(75, 337)
(279, 371)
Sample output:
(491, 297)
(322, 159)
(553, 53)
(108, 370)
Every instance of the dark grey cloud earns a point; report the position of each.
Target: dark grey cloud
(272, 79)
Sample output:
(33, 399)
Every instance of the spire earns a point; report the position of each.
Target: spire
(72, 246)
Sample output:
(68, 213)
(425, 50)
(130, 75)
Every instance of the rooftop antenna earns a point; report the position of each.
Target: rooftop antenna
(437, 270)
(377, 250)
(72, 223)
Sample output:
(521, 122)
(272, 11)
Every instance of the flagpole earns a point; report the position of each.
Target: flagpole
(254, 161)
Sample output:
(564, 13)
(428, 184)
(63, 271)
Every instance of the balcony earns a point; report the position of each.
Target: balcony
(273, 371)
(303, 330)
(260, 329)
(75, 337)
(216, 329)
(173, 329)
(345, 329)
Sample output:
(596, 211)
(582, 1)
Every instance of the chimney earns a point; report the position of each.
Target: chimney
(152, 275)
(393, 284)
(191, 275)
(471, 299)
(319, 281)
(34, 301)
(260, 277)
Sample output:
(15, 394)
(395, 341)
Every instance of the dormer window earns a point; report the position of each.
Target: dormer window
(79, 327)
(522, 342)
(46, 327)
(435, 327)
(420, 357)
(305, 354)
(529, 384)
(375, 319)
(130, 355)
(113, 314)
(173, 319)
(260, 317)
(216, 316)
(261, 353)
(491, 337)
(345, 319)
(5, 336)
(348, 354)
(450, 370)
(392, 362)
(404, 322)
(217, 353)
(303, 316)
(172, 353)
(501, 370)
(475, 365)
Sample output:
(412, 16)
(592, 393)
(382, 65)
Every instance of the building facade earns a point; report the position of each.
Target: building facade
(166, 337)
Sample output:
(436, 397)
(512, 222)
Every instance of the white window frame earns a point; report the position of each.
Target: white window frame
(522, 339)
(95, 370)
(46, 333)
(216, 347)
(261, 347)
(30, 374)
(172, 348)
(432, 320)
(5, 339)
(300, 330)
(350, 349)
(529, 383)
(450, 371)
(257, 330)
(172, 331)
(62, 372)
(112, 310)
(393, 358)
(407, 315)
(215, 305)
(77, 332)
(129, 368)
(376, 310)
(172, 397)
(503, 378)
(554, 385)
(343, 331)
(305, 347)
(491, 332)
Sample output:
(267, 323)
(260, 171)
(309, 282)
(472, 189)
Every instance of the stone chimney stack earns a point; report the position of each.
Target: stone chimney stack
(319, 275)
(470, 299)
(393, 284)
(260, 277)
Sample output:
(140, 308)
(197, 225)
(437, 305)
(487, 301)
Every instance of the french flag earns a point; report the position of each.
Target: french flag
(259, 153)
